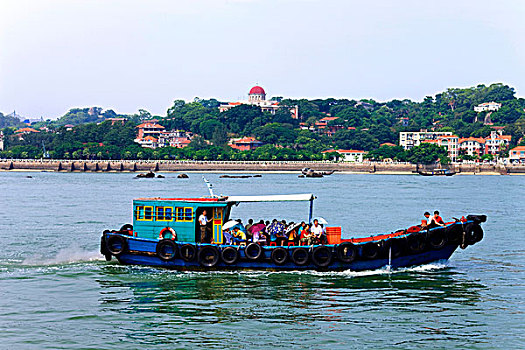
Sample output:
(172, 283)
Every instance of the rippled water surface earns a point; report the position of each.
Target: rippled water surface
(57, 293)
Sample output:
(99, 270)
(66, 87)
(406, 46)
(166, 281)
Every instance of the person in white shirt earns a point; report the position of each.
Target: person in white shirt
(318, 231)
(203, 221)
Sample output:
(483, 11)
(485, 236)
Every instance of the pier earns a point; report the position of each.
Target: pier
(251, 166)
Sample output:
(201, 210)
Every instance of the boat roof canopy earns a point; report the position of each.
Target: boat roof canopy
(272, 198)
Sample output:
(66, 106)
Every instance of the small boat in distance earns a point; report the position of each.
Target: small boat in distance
(166, 232)
(436, 172)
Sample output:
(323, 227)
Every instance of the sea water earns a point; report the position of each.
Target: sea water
(56, 291)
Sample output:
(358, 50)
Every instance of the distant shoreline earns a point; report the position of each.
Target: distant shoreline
(245, 167)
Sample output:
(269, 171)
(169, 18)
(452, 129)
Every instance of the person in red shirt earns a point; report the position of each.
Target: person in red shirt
(437, 219)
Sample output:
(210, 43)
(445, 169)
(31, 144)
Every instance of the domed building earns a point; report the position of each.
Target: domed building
(256, 94)
(257, 97)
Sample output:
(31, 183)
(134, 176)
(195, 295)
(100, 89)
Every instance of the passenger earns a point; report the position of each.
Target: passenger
(259, 237)
(425, 223)
(250, 224)
(438, 220)
(247, 227)
(318, 231)
(227, 237)
(307, 237)
(203, 222)
(238, 235)
(275, 230)
(292, 234)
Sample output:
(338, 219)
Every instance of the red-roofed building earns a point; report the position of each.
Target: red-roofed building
(25, 131)
(245, 143)
(147, 142)
(450, 142)
(517, 154)
(496, 142)
(348, 155)
(472, 146)
(149, 129)
(323, 127)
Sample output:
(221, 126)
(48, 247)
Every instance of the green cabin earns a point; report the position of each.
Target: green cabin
(180, 215)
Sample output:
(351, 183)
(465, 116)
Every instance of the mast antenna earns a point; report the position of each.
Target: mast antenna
(210, 186)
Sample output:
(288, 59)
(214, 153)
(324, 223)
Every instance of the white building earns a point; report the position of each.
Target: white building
(409, 139)
(257, 97)
(349, 155)
(487, 106)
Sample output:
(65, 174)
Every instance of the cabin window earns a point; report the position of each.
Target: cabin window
(144, 213)
(184, 214)
(164, 213)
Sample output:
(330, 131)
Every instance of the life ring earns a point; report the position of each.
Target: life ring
(413, 229)
(322, 256)
(168, 231)
(300, 256)
(188, 252)
(346, 252)
(117, 245)
(230, 255)
(370, 250)
(166, 250)
(474, 234)
(279, 256)
(392, 248)
(436, 238)
(253, 251)
(415, 242)
(208, 256)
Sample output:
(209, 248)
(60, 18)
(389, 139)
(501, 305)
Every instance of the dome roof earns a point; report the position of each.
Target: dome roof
(257, 90)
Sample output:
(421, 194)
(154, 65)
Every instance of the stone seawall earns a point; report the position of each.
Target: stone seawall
(177, 166)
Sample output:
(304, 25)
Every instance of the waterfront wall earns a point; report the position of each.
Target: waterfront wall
(254, 166)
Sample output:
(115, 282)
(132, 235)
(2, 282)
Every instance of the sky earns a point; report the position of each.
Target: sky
(132, 54)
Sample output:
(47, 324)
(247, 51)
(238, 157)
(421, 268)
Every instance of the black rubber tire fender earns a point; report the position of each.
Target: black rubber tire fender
(279, 256)
(253, 251)
(230, 255)
(188, 252)
(103, 248)
(370, 250)
(346, 252)
(474, 234)
(116, 245)
(167, 250)
(208, 256)
(437, 238)
(392, 247)
(454, 233)
(322, 256)
(127, 227)
(300, 256)
(416, 242)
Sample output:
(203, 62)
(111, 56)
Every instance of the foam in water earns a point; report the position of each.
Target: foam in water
(72, 254)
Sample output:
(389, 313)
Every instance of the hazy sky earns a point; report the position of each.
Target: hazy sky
(131, 54)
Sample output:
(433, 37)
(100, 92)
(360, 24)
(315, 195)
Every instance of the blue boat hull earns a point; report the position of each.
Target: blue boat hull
(142, 252)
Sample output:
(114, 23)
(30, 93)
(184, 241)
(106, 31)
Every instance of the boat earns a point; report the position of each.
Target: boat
(436, 172)
(166, 233)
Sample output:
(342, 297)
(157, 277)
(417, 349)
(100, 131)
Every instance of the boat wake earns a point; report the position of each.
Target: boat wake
(69, 255)
(436, 266)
